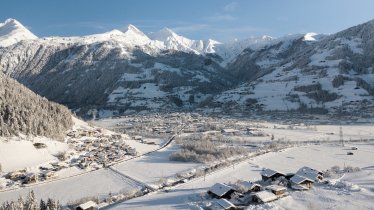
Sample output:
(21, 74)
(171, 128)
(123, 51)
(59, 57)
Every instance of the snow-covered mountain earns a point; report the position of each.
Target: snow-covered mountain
(128, 71)
(317, 74)
(12, 31)
(176, 42)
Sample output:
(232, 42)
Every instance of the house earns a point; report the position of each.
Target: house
(49, 175)
(16, 175)
(39, 145)
(30, 178)
(90, 205)
(229, 131)
(310, 173)
(73, 134)
(276, 189)
(251, 187)
(270, 174)
(131, 151)
(225, 204)
(264, 197)
(301, 183)
(220, 190)
(137, 138)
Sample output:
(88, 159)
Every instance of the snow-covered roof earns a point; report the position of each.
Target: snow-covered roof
(220, 189)
(308, 169)
(225, 204)
(275, 187)
(297, 179)
(88, 204)
(309, 173)
(229, 130)
(270, 172)
(249, 185)
(299, 187)
(266, 196)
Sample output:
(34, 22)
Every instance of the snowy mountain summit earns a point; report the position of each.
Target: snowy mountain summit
(174, 41)
(12, 31)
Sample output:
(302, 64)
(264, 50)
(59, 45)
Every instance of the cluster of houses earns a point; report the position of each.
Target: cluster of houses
(274, 185)
(91, 149)
(24, 177)
(98, 150)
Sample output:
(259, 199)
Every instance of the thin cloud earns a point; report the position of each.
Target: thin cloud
(231, 7)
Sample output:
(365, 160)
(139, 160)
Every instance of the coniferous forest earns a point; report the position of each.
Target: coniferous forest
(22, 111)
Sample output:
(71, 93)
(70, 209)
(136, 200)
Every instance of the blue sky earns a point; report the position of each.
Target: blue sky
(199, 19)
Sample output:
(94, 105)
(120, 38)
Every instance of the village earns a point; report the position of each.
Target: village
(90, 149)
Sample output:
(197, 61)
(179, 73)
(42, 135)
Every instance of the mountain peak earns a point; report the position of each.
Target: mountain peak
(310, 36)
(163, 34)
(133, 29)
(12, 31)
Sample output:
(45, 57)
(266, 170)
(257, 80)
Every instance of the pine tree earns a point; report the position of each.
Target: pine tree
(20, 203)
(31, 203)
(43, 205)
(51, 204)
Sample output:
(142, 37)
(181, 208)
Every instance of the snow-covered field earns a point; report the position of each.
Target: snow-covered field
(320, 197)
(15, 155)
(155, 166)
(93, 184)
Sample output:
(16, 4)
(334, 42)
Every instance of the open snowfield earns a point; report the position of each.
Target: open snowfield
(97, 183)
(151, 168)
(289, 160)
(20, 154)
(300, 133)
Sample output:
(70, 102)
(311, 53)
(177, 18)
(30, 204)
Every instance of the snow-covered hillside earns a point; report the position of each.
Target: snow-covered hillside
(12, 31)
(316, 74)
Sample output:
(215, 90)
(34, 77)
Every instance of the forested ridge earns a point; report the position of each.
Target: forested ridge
(23, 111)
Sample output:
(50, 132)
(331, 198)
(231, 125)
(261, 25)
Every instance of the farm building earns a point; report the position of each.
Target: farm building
(137, 138)
(276, 189)
(310, 173)
(30, 178)
(225, 204)
(251, 187)
(220, 190)
(264, 197)
(269, 174)
(90, 205)
(301, 183)
(49, 175)
(16, 175)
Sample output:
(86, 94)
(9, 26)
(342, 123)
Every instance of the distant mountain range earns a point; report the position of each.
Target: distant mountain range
(127, 71)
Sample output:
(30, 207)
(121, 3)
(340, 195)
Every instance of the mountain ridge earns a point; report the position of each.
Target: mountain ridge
(116, 76)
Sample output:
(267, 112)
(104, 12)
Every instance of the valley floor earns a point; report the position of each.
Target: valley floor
(188, 196)
(317, 146)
